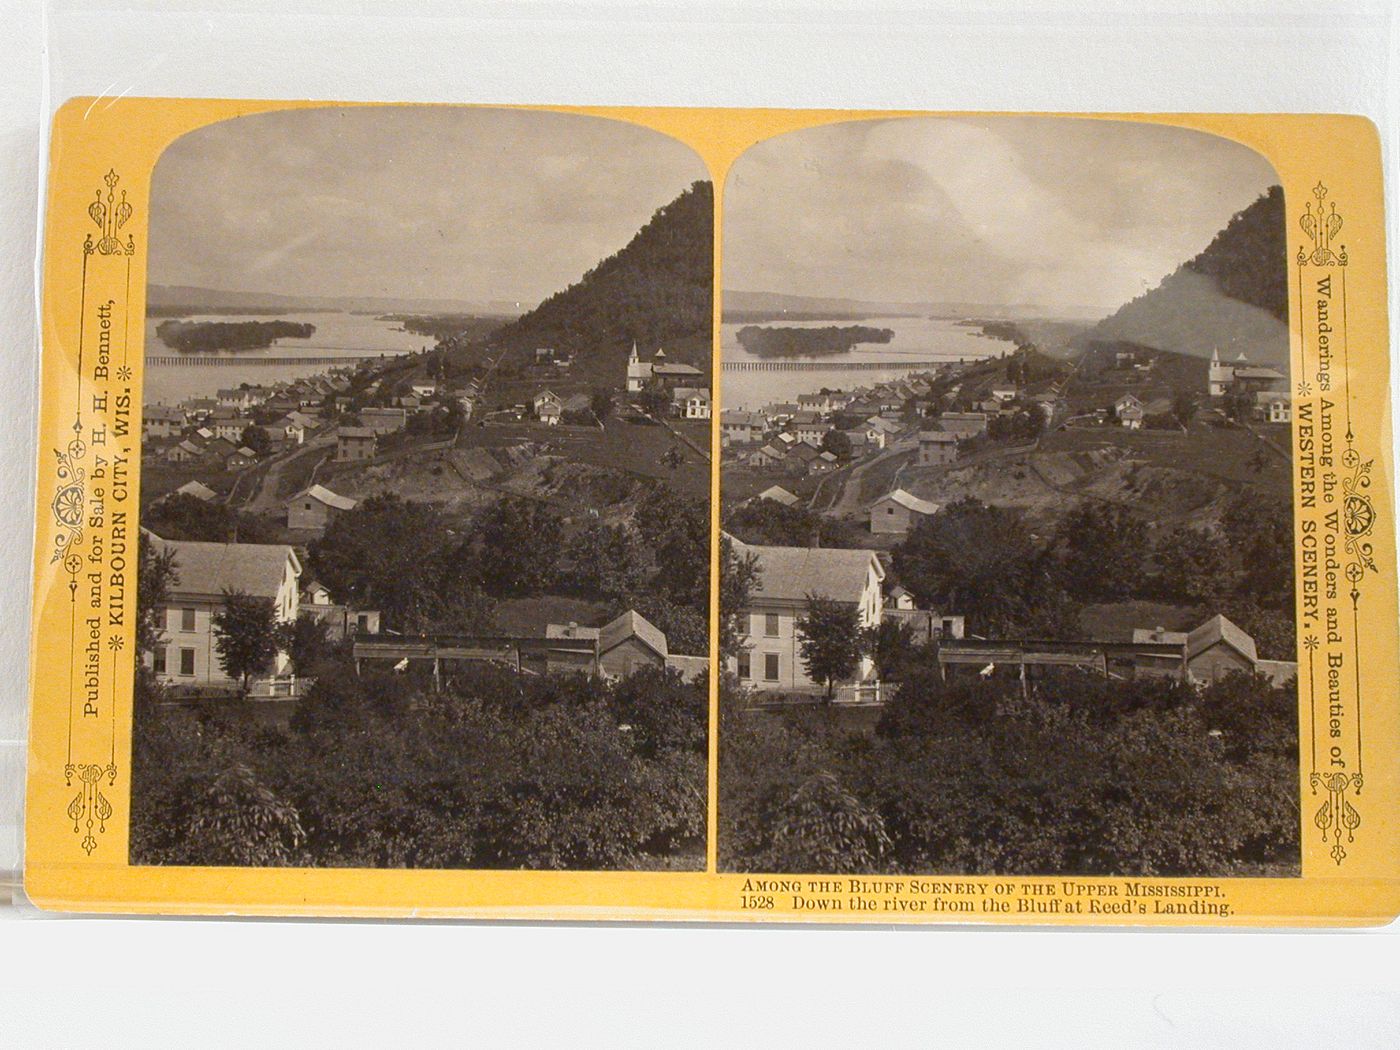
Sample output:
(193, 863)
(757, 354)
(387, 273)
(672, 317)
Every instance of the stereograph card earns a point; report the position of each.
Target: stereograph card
(699, 514)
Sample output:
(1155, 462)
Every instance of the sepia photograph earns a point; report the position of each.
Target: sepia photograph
(1006, 503)
(425, 494)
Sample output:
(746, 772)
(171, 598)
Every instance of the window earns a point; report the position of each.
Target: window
(745, 666)
(187, 619)
(947, 628)
(158, 660)
(770, 625)
(187, 662)
(889, 510)
(770, 667)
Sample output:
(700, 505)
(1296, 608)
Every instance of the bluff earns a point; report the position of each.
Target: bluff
(657, 291)
(1233, 295)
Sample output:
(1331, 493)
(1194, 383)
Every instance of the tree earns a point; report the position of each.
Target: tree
(837, 443)
(306, 641)
(255, 437)
(517, 545)
(1191, 566)
(607, 560)
(156, 572)
(893, 641)
(831, 640)
(246, 635)
(654, 400)
(823, 827)
(385, 554)
(235, 821)
(1184, 407)
(601, 404)
(181, 516)
(1102, 550)
(739, 575)
(678, 532)
(979, 561)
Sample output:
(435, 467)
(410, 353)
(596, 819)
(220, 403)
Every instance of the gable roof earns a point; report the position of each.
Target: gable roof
(937, 437)
(1219, 629)
(631, 624)
(778, 494)
(212, 568)
(324, 495)
(355, 432)
(909, 501)
(197, 489)
(789, 574)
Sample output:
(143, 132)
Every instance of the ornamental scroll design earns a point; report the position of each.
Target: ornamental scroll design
(110, 214)
(1322, 227)
(1337, 816)
(90, 809)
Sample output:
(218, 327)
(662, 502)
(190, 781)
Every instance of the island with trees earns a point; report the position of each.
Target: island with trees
(205, 336)
(809, 342)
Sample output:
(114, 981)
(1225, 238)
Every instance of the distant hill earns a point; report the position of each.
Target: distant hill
(174, 300)
(657, 291)
(1233, 295)
(742, 307)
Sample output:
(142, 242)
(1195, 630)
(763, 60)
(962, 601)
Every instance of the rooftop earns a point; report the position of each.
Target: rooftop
(792, 573)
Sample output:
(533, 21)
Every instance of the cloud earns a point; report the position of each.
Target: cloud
(1074, 215)
(442, 202)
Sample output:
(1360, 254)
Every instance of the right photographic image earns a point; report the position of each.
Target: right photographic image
(1007, 567)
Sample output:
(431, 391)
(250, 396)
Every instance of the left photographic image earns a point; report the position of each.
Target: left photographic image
(425, 494)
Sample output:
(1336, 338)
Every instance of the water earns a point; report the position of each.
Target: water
(915, 338)
(337, 335)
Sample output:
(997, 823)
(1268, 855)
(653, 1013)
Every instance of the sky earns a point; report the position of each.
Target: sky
(412, 202)
(1073, 216)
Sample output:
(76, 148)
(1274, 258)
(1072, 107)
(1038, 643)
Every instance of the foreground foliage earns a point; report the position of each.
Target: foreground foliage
(497, 771)
(1083, 776)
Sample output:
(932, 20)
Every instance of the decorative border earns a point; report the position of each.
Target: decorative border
(90, 809)
(1338, 816)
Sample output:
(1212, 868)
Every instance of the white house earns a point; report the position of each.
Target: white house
(187, 653)
(769, 658)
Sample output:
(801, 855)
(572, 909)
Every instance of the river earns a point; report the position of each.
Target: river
(337, 335)
(915, 339)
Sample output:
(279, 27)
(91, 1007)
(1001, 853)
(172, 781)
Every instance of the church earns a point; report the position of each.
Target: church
(1241, 376)
(640, 373)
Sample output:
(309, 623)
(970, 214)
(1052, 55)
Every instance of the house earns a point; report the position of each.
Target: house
(769, 658)
(219, 449)
(898, 512)
(1239, 376)
(383, 420)
(1126, 403)
(621, 646)
(824, 463)
(778, 494)
(965, 424)
(927, 625)
(819, 403)
(1131, 416)
(659, 370)
(898, 598)
(697, 404)
(546, 399)
(576, 404)
(239, 398)
(630, 643)
(767, 456)
(1273, 406)
(188, 653)
(740, 428)
(808, 426)
(1218, 647)
(240, 459)
(231, 429)
(161, 421)
(800, 457)
(354, 443)
(550, 413)
(1003, 394)
(315, 508)
(1211, 652)
(197, 489)
(186, 451)
(423, 388)
(937, 447)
